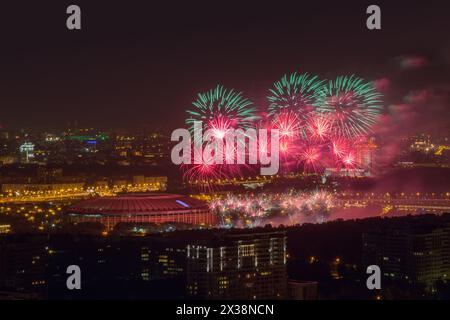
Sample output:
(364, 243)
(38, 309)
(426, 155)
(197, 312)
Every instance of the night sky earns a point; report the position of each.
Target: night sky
(140, 64)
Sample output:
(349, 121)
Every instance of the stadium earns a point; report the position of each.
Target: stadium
(142, 208)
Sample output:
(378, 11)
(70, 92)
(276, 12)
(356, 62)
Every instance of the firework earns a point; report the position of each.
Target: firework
(287, 208)
(208, 173)
(288, 124)
(349, 159)
(214, 166)
(339, 147)
(321, 124)
(319, 127)
(203, 171)
(311, 156)
(352, 104)
(221, 109)
(296, 92)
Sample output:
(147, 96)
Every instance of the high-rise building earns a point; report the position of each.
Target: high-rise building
(211, 264)
(416, 251)
(238, 265)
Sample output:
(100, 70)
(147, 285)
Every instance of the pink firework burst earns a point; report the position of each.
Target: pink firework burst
(204, 171)
(220, 125)
(288, 124)
(319, 127)
(349, 160)
(339, 147)
(310, 156)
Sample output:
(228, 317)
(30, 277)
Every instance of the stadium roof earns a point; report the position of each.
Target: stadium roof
(138, 203)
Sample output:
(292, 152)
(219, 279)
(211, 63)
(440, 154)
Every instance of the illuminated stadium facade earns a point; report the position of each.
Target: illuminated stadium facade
(142, 208)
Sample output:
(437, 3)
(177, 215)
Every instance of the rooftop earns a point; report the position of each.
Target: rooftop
(138, 203)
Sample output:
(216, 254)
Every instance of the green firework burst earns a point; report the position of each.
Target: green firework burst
(221, 107)
(352, 104)
(295, 92)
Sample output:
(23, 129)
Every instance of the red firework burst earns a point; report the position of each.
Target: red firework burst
(319, 127)
(288, 124)
(220, 125)
(310, 156)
